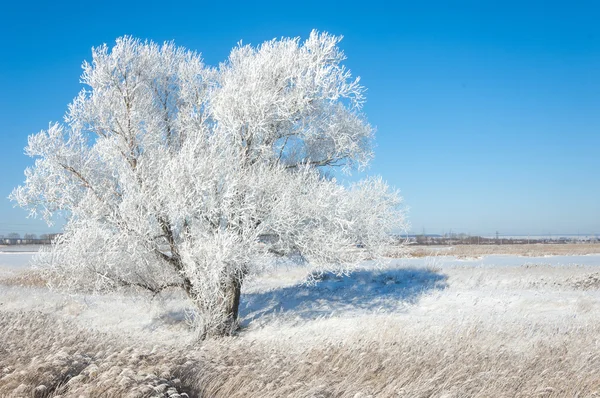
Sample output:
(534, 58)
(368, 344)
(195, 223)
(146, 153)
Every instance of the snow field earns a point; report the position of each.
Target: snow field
(434, 326)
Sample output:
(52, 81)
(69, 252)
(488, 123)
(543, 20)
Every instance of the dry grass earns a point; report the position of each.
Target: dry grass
(43, 356)
(532, 250)
(455, 364)
(25, 279)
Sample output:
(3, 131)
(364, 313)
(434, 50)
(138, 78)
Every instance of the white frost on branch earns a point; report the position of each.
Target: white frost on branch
(173, 173)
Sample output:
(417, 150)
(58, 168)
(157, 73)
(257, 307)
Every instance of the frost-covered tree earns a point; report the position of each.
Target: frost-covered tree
(175, 174)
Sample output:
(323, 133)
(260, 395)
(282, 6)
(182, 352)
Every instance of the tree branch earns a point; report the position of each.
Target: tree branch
(316, 163)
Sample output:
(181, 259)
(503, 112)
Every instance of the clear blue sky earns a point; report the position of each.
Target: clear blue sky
(487, 112)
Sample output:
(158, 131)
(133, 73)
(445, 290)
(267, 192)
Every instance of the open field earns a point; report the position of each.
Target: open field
(532, 250)
(438, 326)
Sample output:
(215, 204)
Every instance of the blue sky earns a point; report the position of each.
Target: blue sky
(487, 112)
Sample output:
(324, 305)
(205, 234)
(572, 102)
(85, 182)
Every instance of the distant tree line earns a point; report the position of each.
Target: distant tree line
(14, 238)
(465, 239)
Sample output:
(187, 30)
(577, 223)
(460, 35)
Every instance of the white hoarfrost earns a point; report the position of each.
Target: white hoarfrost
(175, 174)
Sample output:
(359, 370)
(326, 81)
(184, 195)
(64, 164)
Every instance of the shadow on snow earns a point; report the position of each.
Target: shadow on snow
(370, 291)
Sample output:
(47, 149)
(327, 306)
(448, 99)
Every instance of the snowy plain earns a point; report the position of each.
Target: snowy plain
(426, 288)
(455, 310)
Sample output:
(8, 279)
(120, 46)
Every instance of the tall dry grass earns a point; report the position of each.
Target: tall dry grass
(465, 359)
(27, 278)
(43, 356)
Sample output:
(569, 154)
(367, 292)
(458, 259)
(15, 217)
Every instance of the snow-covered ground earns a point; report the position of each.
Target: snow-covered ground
(457, 322)
(555, 237)
(19, 248)
(14, 259)
(429, 289)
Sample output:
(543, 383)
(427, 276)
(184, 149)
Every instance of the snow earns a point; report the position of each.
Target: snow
(556, 237)
(501, 261)
(15, 260)
(19, 248)
(432, 292)
(12, 261)
(364, 290)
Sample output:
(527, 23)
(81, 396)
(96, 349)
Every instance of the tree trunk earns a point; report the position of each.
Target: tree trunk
(222, 319)
(233, 290)
(221, 315)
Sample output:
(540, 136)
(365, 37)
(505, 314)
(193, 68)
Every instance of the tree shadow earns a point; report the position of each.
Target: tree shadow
(360, 291)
